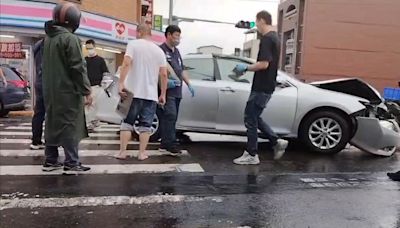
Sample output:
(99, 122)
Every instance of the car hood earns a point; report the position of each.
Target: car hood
(351, 86)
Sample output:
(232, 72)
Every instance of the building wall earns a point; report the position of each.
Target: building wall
(250, 48)
(289, 26)
(126, 10)
(209, 50)
(352, 38)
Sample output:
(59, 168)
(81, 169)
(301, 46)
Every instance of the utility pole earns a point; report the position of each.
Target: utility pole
(171, 14)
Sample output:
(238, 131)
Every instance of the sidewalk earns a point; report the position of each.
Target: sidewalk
(26, 113)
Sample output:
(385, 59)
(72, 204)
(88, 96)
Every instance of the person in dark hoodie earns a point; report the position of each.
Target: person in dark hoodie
(66, 89)
(39, 109)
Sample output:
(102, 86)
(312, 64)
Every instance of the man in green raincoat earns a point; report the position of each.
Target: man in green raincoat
(66, 89)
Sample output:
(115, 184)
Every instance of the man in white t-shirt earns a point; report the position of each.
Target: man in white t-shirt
(144, 63)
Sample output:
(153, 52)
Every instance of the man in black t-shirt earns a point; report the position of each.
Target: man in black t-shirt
(96, 67)
(264, 82)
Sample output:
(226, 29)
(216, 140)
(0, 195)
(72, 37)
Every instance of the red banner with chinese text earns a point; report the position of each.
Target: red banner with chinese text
(11, 50)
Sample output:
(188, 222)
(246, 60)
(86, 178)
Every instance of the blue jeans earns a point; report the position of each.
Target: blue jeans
(70, 151)
(168, 115)
(142, 110)
(253, 121)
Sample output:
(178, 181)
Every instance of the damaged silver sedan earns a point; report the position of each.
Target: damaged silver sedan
(377, 130)
(325, 116)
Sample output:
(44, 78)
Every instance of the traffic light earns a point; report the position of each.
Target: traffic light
(245, 24)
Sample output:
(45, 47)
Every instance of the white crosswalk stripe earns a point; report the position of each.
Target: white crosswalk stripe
(19, 135)
(82, 153)
(86, 201)
(18, 170)
(85, 141)
(100, 125)
(25, 133)
(101, 128)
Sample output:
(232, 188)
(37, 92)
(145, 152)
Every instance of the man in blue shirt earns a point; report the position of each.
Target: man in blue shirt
(168, 114)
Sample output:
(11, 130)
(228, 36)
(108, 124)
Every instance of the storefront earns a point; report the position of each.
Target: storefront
(23, 22)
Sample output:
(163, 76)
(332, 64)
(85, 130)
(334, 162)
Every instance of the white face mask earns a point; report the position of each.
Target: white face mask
(91, 52)
(176, 42)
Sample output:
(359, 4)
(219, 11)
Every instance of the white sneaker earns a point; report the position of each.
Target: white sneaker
(247, 159)
(37, 146)
(280, 148)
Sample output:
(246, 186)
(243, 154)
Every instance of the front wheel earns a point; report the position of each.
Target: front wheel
(325, 132)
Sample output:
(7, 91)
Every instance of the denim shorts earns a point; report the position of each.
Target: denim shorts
(143, 111)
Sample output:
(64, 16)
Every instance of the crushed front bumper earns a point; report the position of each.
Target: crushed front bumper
(380, 137)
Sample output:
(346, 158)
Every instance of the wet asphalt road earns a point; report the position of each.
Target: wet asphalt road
(349, 189)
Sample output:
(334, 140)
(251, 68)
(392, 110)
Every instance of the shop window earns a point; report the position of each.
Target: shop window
(247, 53)
(288, 59)
(290, 11)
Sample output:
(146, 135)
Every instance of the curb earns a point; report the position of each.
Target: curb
(21, 113)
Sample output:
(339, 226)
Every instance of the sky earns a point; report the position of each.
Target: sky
(195, 34)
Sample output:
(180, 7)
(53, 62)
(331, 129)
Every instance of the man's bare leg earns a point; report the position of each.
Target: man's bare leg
(124, 137)
(144, 138)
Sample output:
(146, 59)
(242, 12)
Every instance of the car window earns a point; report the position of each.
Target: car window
(10, 75)
(225, 69)
(200, 69)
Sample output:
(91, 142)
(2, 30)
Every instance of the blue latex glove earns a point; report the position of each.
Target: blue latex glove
(173, 83)
(191, 90)
(241, 68)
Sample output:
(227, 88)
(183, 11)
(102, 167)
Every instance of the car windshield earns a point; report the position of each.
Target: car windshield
(10, 75)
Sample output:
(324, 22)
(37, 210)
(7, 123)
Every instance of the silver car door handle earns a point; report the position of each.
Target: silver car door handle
(227, 89)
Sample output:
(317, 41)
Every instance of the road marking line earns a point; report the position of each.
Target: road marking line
(18, 128)
(307, 180)
(100, 201)
(106, 129)
(101, 125)
(27, 133)
(27, 170)
(82, 153)
(85, 141)
(112, 129)
(316, 185)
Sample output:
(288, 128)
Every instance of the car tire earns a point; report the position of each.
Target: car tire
(182, 138)
(326, 132)
(155, 136)
(3, 112)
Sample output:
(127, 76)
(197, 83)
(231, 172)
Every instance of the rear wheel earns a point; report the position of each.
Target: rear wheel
(325, 132)
(3, 112)
(155, 132)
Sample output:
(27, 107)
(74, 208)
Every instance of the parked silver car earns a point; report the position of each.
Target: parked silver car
(322, 115)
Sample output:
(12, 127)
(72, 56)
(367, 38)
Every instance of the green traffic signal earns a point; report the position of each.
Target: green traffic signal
(245, 24)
